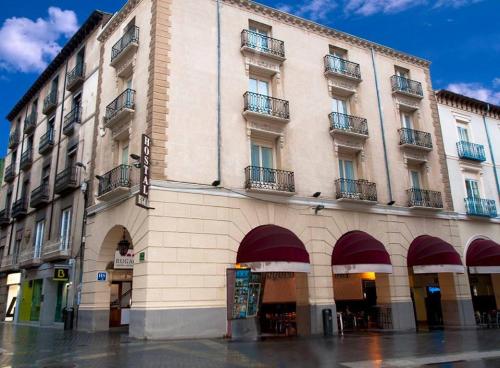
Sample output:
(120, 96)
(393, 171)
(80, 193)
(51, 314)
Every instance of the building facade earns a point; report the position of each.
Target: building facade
(241, 159)
(50, 145)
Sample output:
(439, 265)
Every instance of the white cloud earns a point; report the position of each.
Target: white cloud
(28, 45)
(477, 91)
(455, 3)
(496, 82)
(370, 7)
(313, 9)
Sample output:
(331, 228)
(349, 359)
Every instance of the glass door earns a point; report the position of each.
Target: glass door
(337, 62)
(347, 174)
(403, 78)
(463, 134)
(258, 39)
(260, 101)
(263, 164)
(415, 187)
(341, 118)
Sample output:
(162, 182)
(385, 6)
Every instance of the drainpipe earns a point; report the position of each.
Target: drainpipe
(491, 149)
(218, 91)
(58, 149)
(381, 117)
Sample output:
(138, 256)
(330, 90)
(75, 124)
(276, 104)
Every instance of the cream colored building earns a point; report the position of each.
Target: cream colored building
(52, 129)
(260, 120)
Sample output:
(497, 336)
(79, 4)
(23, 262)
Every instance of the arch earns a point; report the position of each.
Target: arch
(471, 240)
(430, 254)
(357, 252)
(483, 256)
(271, 248)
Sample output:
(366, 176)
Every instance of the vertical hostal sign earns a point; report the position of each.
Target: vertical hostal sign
(143, 195)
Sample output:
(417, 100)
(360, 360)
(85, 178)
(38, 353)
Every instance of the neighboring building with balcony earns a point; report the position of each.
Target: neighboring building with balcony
(41, 206)
(313, 139)
(472, 145)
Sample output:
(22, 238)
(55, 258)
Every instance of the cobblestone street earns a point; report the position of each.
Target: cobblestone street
(24, 346)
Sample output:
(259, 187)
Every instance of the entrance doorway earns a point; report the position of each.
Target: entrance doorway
(426, 296)
(120, 303)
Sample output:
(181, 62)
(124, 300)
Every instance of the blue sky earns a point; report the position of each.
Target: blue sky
(460, 37)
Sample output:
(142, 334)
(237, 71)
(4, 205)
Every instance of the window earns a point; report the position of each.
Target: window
(263, 162)
(39, 234)
(347, 172)
(406, 120)
(341, 109)
(463, 134)
(259, 86)
(46, 174)
(125, 154)
(258, 37)
(472, 188)
(77, 100)
(415, 179)
(65, 228)
(54, 85)
(80, 57)
(338, 52)
(25, 189)
(401, 72)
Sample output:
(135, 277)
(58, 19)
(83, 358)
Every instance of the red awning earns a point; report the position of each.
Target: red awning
(271, 248)
(430, 254)
(483, 256)
(357, 251)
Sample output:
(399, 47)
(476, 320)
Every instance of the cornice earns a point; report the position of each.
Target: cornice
(118, 19)
(323, 30)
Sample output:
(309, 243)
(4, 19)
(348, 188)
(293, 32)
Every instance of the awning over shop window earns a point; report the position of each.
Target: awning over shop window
(483, 256)
(430, 254)
(271, 248)
(357, 252)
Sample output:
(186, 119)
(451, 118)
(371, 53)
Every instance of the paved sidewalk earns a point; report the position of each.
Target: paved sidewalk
(24, 346)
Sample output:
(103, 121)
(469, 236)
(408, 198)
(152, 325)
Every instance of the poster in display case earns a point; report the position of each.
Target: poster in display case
(245, 294)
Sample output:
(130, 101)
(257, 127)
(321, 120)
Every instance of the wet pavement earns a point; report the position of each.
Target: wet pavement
(23, 346)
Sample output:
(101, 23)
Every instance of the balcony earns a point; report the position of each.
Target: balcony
(125, 46)
(30, 258)
(4, 217)
(14, 139)
(75, 77)
(66, 181)
(337, 67)
(122, 108)
(50, 102)
(40, 196)
(115, 183)
(415, 139)
(355, 190)
(46, 142)
(261, 45)
(347, 125)
(424, 199)
(406, 87)
(72, 118)
(10, 173)
(20, 208)
(56, 250)
(265, 180)
(26, 159)
(480, 207)
(8, 263)
(265, 107)
(471, 151)
(30, 123)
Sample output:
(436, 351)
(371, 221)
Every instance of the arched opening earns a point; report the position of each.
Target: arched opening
(360, 266)
(432, 264)
(482, 258)
(268, 293)
(117, 252)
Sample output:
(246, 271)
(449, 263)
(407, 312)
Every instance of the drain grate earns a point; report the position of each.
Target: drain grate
(59, 365)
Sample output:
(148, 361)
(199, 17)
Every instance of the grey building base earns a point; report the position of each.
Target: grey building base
(403, 316)
(178, 323)
(245, 329)
(316, 322)
(93, 319)
(458, 313)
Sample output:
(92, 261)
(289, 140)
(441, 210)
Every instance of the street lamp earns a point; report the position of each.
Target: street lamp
(123, 245)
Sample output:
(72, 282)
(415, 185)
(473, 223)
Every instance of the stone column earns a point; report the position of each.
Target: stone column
(456, 301)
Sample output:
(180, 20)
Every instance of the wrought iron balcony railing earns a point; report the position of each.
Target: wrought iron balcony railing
(480, 207)
(424, 198)
(334, 64)
(119, 177)
(14, 139)
(266, 105)
(50, 102)
(20, 208)
(262, 178)
(10, 173)
(30, 123)
(26, 159)
(75, 77)
(125, 101)
(415, 138)
(40, 196)
(131, 36)
(348, 123)
(471, 151)
(261, 43)
(407, 86)
(72, 118)
(66, 180)
(5, 217)
(46, 142)
(362, 190)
